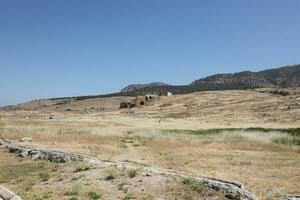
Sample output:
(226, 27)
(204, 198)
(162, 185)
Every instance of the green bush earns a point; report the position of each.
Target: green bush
(94, 195)
(132, 173)
(71, 193)
(110, 174)
(44, 177)
(82, 167)
(287, 140)
(193, 184)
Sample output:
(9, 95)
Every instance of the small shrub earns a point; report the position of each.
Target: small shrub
(47, 195)
(129, 132)
(110, 174)
(194, 185)
(287, 140)
(77, 178)
(136, 145)
(128, 197)
(132, 173)
(122, 186)
(71, 193)
(280, 92)
(147, 197)
(60, 179)
(187, 181)
(82, 167)
(44, 177)
(94, 195)
(42, 196)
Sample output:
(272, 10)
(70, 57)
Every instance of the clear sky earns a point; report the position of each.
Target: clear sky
(52, 48)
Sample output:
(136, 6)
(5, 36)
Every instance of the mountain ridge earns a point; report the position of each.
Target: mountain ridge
(266, 78)
(287, 76)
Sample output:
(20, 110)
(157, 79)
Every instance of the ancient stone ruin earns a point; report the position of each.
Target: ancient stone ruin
(127, 104)
(139, 101)
(144, 100)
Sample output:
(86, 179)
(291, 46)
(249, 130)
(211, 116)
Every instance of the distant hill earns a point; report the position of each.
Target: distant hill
(283, 77)
(287, 76)
(133, 87)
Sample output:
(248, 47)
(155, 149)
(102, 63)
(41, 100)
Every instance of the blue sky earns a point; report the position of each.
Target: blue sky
(52, 48)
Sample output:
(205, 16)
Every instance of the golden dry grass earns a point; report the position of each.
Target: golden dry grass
(142, 135)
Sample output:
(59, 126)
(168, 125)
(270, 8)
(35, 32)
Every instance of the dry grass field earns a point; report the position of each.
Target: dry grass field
(206, 134)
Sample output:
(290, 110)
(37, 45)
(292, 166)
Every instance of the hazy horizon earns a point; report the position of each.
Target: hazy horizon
(72, 48)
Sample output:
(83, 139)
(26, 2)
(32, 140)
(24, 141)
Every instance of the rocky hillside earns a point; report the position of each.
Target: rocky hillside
(133, 87)
(285, 77)
(288, 76)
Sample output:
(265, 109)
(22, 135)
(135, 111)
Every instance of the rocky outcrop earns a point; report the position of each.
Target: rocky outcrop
(287, 76)
(6, 194)
(232, 190)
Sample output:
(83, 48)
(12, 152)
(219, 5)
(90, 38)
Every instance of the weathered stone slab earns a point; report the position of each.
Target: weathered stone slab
(5, 193)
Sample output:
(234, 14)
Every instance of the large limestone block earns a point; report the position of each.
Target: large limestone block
(5, 193)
